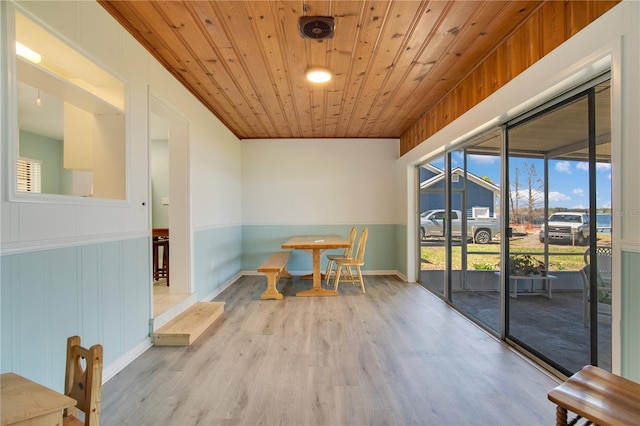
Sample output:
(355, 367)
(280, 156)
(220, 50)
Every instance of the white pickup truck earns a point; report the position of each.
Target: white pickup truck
(570, 227)
(481, 231)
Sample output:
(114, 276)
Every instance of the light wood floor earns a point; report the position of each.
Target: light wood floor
(396, 355)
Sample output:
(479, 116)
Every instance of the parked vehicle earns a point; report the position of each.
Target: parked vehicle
(481, 231)
(567, 227)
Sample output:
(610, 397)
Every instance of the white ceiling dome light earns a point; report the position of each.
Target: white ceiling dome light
(319, 74)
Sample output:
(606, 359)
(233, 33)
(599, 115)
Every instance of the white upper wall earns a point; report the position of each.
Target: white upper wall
(215, 163)
(319, 181)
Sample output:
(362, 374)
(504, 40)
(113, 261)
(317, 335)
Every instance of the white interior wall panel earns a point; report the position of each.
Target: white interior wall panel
(319, 181)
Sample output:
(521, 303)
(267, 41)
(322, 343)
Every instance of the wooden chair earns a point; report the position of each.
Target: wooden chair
(347, 252)
(349, 262)
(83, 384)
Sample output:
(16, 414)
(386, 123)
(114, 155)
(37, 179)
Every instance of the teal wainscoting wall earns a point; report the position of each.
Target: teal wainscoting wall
(217, 258)
(630, 327)
(259, 241)
(401, 249)
(100, 292)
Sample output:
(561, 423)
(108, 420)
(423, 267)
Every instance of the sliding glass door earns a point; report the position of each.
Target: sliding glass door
(559, 179)
(515, 230)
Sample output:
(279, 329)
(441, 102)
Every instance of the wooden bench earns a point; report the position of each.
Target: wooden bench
(274, 268)
(597, 396)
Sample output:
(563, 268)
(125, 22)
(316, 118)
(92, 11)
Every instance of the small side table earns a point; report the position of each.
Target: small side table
(23, 402)
(599, 396)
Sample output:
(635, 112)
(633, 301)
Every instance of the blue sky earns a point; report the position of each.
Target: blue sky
(568, 180)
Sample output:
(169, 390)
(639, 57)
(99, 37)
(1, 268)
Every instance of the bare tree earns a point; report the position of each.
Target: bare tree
(535, 190)
(531, 192)
(514, 195)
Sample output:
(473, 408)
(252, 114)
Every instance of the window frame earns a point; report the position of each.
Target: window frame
(9, 83)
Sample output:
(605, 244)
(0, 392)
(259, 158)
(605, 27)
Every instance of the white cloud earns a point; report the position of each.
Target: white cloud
(578, 191)
(584, 166)
(483, 159)
(563, 166)
(558, 196)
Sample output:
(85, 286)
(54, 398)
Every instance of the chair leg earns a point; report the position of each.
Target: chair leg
(561, 416)
(361, 279)
(165, 261)
(350, 274)
(327, 273)
(337, 279)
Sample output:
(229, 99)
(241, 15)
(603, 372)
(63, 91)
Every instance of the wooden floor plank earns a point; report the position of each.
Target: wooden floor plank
(395, 355)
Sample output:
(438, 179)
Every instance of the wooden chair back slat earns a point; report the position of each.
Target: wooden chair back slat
(362, 245)
(83, 380)
(351, 239)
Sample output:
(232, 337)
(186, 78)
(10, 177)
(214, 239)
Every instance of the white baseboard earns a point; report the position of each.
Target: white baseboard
(222, 288)
(116, 366)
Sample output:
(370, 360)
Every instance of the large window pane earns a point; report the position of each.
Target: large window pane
(431, 229)
(475, 288)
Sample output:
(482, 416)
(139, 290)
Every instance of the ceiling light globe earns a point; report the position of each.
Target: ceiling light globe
(319, 75)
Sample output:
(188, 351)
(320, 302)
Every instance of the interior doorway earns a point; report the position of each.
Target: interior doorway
(170, 213)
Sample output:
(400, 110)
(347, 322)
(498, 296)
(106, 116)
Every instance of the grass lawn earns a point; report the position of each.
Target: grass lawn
(562, 257)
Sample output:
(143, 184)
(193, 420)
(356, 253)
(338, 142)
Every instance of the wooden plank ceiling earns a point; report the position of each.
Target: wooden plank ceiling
(393, 60)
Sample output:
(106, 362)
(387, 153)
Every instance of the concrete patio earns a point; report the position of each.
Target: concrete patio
(552, 327)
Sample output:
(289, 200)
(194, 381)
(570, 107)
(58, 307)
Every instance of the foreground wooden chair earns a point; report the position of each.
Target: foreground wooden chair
(348, 252)
(83, 385)
(350, 262)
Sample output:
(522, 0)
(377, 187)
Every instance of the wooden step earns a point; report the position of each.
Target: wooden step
(184, 329)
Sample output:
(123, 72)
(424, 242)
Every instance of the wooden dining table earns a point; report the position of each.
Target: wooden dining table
(316, 245)
(23, 402)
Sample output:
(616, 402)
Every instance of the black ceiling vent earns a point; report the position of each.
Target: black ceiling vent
(316, 27)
